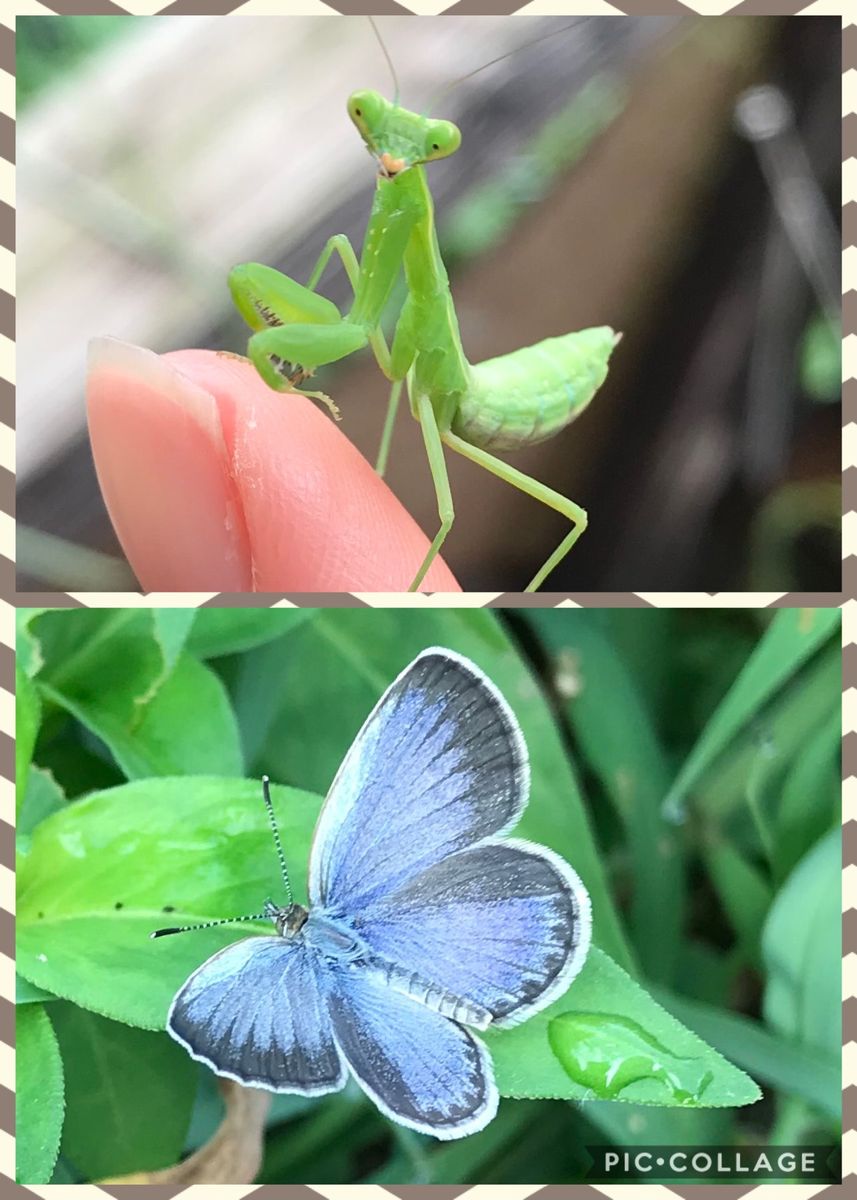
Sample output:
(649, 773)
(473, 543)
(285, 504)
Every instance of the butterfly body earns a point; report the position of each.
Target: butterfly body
(332, 940)
(425, 921)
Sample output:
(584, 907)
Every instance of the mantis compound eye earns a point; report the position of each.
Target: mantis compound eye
(442, 139)
(366, 109)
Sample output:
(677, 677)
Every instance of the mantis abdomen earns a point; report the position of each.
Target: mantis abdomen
(525, 397)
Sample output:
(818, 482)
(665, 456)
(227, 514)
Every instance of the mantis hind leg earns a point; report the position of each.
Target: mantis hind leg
(389, 422)
(437, 465)
(539, 491)
(401, 359)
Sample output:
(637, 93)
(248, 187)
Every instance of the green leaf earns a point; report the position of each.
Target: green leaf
(129, 1094)
(101, 875)
(172, 627)
(39, 1100)
(470, 1159)
(219, 631)
(792, 638)
(809, 799)
(43, 797)
(814, 1076)
(28, 993)
(615, 735)
(606, 1038)
(28, 653)
(101, 657)
(301, 700)
(802, 947)
(28, 717)
(777, 733)
(187, 726)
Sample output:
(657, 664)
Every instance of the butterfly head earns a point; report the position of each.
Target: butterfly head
(289, 921)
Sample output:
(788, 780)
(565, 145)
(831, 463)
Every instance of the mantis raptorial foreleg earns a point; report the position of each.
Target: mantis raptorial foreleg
(340, 244)
(532, 487)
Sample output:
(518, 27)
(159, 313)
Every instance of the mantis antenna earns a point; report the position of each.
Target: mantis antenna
(444, 91)
(386, 53)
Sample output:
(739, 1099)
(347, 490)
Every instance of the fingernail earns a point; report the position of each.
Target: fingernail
(163, 467)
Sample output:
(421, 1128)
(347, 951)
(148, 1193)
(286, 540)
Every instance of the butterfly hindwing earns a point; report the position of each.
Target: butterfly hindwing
(505, 924)
(421, 1069)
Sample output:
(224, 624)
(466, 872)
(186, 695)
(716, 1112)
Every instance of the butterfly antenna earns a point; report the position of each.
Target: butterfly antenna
(266, 792)
(208, 924)
(386, 53)
(444, 91)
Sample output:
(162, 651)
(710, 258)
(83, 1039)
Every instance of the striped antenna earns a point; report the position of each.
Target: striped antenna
(266, 792)
(209, 924)
(270, 908)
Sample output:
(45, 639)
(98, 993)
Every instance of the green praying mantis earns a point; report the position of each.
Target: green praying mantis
(502, 404)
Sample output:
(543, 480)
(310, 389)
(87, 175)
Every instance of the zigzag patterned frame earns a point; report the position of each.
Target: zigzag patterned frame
(10, 599)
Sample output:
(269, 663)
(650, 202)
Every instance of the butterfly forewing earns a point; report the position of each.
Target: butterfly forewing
(256, 1012)
(439, 765)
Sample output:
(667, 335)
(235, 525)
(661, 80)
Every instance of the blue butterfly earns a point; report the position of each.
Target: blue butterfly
(425, 922)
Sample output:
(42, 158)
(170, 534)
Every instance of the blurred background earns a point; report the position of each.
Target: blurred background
(626, 170)
(687, 762)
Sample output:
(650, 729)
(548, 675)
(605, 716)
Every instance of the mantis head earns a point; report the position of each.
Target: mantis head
(399, 139)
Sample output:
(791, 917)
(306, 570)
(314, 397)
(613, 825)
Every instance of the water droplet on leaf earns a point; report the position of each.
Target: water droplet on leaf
(607, 1053)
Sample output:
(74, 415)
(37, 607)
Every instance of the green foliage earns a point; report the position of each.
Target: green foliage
(39, 1103)
(202, 848)
(142, 808)
(41, 796)
(28, 716)
(617, 740)
(129, 1094)
(802, 934)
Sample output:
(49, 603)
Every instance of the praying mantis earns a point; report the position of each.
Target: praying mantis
(502, 404)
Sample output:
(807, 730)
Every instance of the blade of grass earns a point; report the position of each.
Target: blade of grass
(791, 640)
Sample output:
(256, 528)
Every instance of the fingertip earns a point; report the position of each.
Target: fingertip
(215, 482)
(317, 515)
